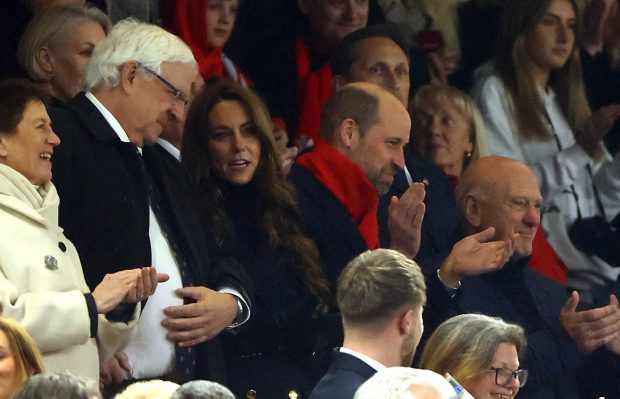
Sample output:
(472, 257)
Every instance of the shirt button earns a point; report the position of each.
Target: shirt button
(62, 246)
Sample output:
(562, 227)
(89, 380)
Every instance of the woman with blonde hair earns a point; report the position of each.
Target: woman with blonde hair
(534, 106)
(57, 45)
(480, 352)
(20, 357)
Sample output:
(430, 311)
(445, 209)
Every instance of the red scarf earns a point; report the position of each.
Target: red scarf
(315, 88)
(348, 183)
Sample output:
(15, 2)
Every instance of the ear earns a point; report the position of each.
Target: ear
(348, 133)
(4, 151)
(471, 209)
(338, 82)
(44, 59)
(405, 322)
(127, 75)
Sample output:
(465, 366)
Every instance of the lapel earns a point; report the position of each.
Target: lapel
(345, 361)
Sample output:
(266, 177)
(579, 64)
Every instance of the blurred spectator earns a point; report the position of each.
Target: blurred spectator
(381, 295)
(201, 389)
(142, 10)
(535, 110)
(229, 154)
(152, 389)
(63, 385)
(406, 383)
(481, 352)
(57, 45)
(206, 26)
(20, 357)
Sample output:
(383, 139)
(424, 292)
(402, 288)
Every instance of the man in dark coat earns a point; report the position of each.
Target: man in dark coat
(501, 197)
(380, 295)
(124, 205)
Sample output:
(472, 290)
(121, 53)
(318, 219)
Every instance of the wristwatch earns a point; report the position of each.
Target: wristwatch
(240, 313)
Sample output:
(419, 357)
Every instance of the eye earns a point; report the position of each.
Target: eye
(220, 135)
(402, 71)
(250, 130)
(447, 120)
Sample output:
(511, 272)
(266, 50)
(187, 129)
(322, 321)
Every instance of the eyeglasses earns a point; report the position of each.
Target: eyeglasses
(504, 376)
(177, 95)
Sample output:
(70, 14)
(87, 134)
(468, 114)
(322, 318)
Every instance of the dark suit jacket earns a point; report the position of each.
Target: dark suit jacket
(441, 227)
(520, 295)
(104, 205)
(345, 375)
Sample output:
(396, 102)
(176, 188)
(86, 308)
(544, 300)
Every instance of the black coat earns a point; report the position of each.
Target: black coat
(105, 213)
(345, 375)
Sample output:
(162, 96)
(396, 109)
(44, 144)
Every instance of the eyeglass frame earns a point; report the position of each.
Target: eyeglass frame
(177, 95)
(514, 374)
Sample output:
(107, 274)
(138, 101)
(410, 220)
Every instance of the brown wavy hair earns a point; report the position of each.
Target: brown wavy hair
(280, 214)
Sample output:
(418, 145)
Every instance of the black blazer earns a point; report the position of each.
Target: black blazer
(104, 205)
(345, 375)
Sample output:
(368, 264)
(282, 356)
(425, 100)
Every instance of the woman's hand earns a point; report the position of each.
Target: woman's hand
(596, 128)
(132, 285)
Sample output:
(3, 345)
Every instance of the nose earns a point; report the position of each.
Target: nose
(532, 216)
(177, 110)
(434, 126)
(514, 384)
(399, 159)
(53, 138)
(562, 33)
(350, 10)
(225, 15)
(238, 142)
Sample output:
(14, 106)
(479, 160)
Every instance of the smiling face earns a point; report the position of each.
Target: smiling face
(68, 62)
(379, 152)
(513, 207)
(29, 149)
(221, 15)
(331, 20)
(233, 143)
(443, 135)
(483, 386)
(381, 61)
(552, 40)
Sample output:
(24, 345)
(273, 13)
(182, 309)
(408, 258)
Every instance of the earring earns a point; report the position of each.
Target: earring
(468, 155)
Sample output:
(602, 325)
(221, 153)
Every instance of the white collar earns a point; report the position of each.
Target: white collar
(366, 359)
(111, 119)
(172, 150)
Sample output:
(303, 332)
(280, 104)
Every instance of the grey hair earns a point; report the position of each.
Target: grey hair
(152, 389)
(378, 283)
(403, 383)
(201, 389)
(53, 29)
(131, 40)
(63, 385)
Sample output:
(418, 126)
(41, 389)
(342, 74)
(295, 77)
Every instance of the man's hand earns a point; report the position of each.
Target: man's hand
(405, 220)
(198, 322)
(475, 255)
(591, 329)
(115, 370)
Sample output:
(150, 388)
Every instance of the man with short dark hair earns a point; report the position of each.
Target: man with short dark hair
(380, 295)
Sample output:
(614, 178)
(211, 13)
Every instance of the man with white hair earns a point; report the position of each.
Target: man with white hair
(201, 389)
(409, 383)
(123, 207)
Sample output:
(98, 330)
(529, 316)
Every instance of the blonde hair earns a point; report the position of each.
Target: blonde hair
(512, 63)
(465, 345)
(53, 29)
(430, 95)
(28, 359)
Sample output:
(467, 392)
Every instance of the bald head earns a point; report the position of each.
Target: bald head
(370, 126)
(502, 193)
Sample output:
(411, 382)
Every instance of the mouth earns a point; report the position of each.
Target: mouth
(560, 51)
(239, 164)
(46, 156)
(502, 395)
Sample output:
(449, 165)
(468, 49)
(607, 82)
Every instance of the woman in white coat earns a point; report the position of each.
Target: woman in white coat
(41, 280)
(534, 107)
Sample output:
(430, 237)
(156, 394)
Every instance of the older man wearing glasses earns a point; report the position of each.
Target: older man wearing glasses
(500, 198)
(123, 207)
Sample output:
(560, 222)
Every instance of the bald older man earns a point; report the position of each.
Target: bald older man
(501, 197)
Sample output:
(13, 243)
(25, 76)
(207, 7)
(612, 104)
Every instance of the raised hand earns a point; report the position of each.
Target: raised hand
(405, 220)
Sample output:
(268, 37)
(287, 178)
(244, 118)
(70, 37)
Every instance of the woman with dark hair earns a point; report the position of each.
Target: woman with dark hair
(535, 110)
(228, 152)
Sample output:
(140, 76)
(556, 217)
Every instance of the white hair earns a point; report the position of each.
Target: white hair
(153, 389)
(131, 40)
(201, 389)
(405, 383)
